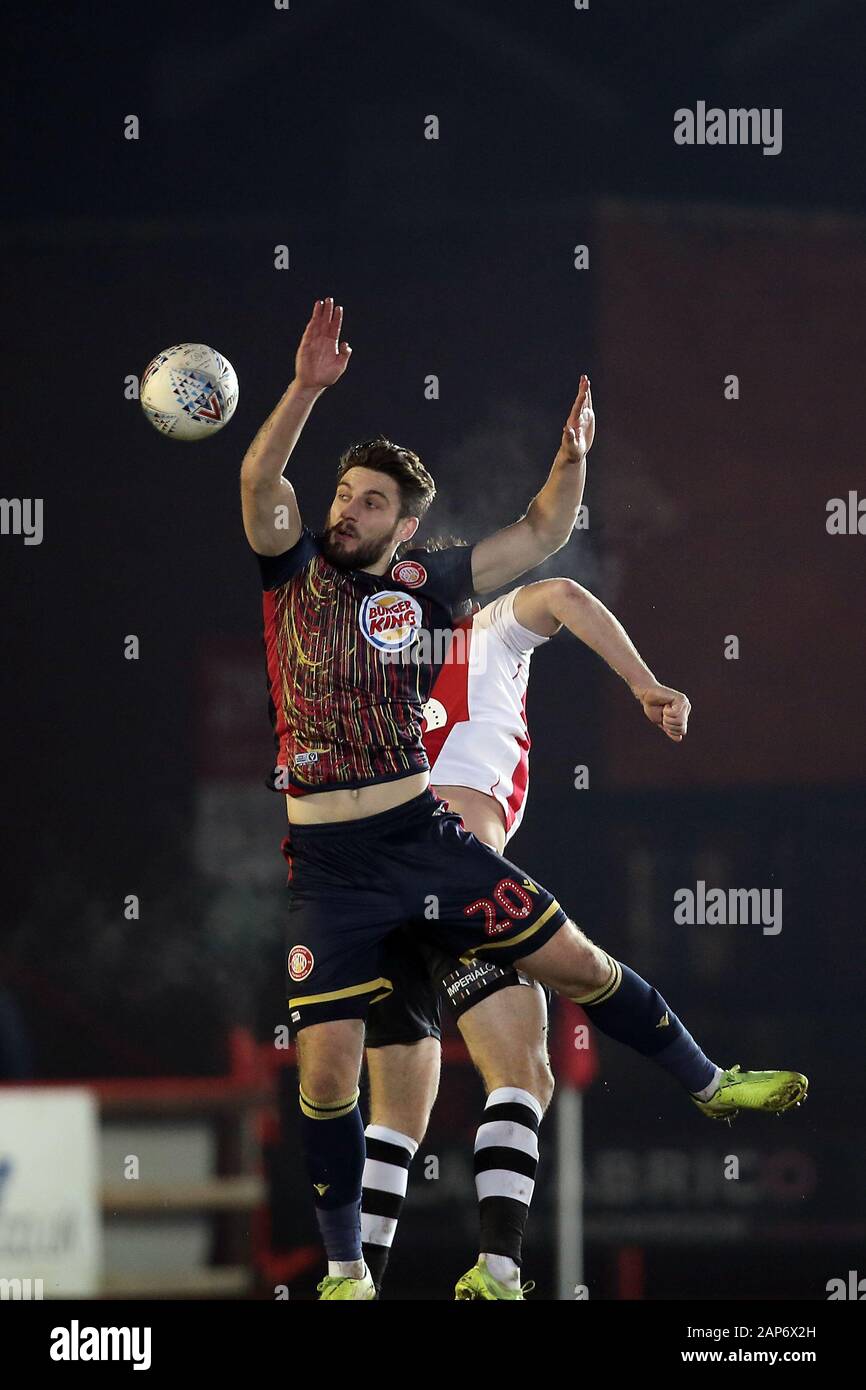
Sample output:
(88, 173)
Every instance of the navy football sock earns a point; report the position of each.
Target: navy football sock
(633, 1012)
(333, 1140)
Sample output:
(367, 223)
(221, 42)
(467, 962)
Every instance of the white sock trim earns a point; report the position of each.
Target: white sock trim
(709, 1091)
(503, 1269)
(392, 1136)
(385, 1177)
(378, 1230)
(348, 1269)
(507, 1135)
(504, 1182)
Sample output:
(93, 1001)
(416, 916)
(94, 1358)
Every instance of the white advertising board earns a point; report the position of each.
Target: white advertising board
(50, 1220)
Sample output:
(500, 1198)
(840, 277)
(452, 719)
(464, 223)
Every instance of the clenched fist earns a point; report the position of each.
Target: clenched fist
(668, 709)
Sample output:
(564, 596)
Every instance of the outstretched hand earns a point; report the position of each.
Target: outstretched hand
(579, 431)
(668, 709)
(321, 358)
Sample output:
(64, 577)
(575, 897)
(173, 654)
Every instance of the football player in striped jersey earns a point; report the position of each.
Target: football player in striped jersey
(369, 842)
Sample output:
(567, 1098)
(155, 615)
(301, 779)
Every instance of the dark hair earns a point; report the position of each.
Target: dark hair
(417, 488)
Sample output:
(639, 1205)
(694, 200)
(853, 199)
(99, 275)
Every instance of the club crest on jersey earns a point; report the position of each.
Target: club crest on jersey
(300, 960)
(390, 621)
(410, 573)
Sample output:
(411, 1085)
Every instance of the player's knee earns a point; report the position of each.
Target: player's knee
(404, 1079)
(539, 1078)
(531, 1073)
(328, 1085)
(589, 962)
(543, 1084)
(406, 1114)
(328, 1067)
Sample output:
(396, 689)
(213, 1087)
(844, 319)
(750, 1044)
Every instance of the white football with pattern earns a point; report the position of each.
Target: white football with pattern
(189, 391)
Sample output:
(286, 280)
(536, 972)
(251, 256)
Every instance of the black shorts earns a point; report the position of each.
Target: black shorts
(421, 975)
(353, 883)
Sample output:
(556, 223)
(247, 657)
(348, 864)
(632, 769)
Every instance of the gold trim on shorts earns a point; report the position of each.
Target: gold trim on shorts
(383, 986)
(513, 940)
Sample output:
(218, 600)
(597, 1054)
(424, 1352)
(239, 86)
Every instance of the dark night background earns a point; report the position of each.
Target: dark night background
(707, 517)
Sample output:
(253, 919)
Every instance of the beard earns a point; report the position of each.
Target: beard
(351, 553)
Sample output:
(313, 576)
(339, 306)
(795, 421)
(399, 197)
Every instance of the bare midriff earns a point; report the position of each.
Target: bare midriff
(480, 812)
(323, 808)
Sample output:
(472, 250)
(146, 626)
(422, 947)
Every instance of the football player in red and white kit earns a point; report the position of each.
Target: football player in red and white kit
(477, 741)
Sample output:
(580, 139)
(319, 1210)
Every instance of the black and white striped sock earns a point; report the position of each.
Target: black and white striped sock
(506, 1158)
(386, 1175)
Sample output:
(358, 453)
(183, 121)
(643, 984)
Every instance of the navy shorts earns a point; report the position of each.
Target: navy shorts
(415, 867)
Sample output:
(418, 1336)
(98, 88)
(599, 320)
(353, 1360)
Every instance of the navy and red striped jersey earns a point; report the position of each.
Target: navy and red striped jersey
(351, 658)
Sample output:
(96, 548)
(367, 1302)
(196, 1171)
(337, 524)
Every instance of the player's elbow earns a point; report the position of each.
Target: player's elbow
(253, 478)
(549, 533)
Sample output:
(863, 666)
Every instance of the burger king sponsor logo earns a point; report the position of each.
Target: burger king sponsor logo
(390, 621)
(300, 962)
(410, 573)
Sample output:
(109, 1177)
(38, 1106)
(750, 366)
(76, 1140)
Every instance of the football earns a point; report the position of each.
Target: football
(189, 391)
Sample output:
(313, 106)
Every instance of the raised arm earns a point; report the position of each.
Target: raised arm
(272, 521)
(550, 516)
(553, 603)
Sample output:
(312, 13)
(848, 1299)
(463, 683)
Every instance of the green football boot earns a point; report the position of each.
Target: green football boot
(479, 1283)
(771, 1091)
(337, 1286)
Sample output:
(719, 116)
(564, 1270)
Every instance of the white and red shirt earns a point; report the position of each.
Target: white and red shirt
(475, 731)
